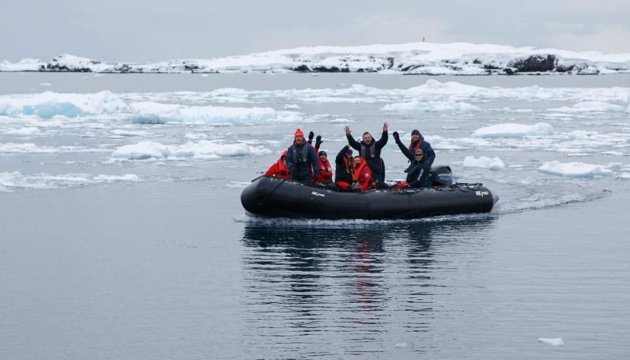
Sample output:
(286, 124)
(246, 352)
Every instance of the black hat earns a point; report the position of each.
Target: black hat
(322, 153)
(415, 132)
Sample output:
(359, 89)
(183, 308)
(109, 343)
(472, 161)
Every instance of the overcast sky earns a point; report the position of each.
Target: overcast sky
(152, 30)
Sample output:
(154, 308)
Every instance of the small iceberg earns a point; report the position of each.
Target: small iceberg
(551, 341)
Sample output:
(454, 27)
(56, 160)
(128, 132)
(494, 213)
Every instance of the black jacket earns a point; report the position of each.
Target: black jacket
(371, 153)
(343, 170)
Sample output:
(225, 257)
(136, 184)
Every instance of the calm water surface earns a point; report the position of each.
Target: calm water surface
(174, 269)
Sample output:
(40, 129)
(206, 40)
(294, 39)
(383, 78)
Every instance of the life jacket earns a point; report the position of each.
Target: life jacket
(368, 150)
(325, 171)
(363, 175)
(418, 145)
(279, 170)
(300, 156)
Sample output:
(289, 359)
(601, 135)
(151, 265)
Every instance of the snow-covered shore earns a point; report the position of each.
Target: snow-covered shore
(411, 58)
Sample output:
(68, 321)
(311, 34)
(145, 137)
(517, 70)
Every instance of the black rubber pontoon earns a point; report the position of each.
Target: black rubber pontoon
(272, 197)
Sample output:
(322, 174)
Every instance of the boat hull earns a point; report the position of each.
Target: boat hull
(272, 197)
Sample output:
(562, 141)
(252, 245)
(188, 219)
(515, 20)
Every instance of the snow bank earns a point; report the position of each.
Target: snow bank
(483, 162)
(574, 169)
(411, 58)
(514, 130)
(204, 149)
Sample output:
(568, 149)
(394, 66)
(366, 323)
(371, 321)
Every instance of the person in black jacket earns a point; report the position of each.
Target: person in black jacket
(301, 159)
(344, 169)
(420, 163)
(370, 150)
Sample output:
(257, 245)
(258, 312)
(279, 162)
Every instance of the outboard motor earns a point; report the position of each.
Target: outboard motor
(442, 176)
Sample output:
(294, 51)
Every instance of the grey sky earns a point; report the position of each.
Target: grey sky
(144, 30)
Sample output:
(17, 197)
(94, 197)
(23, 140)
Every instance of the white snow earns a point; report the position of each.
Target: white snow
(551, 341)
(514, 130)
(574, 169)
(485, 162)
(415, 58)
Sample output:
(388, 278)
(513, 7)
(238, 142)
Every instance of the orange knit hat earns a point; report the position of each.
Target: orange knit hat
(299, 132)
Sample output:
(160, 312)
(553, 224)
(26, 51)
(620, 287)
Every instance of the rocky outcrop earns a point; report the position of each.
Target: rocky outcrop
(534, 63)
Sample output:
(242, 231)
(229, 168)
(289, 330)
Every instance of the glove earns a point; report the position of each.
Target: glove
(311, 135)
(396, 136)
(318, 141)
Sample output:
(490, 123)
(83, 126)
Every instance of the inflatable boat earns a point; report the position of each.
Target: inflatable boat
(273, 197)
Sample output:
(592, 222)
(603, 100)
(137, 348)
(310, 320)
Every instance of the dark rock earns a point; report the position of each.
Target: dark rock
(302, 68)
(534, 63)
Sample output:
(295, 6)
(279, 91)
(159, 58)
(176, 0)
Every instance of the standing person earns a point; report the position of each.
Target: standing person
(370, 150)
(418, 142)
(344, 168)
(301, 159)
(280, 169)
(418, 170)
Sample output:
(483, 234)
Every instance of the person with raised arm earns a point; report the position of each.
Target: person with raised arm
(370, 151)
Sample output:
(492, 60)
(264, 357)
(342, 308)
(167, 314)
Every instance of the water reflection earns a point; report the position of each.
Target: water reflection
(345, 290)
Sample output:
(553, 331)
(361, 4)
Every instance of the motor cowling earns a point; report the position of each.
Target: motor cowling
(442, 176)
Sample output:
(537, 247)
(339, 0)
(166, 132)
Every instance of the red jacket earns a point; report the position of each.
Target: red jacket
(279, 169)
(363, 175)
(325, 171)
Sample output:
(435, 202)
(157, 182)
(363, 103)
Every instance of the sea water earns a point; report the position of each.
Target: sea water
(122, 233)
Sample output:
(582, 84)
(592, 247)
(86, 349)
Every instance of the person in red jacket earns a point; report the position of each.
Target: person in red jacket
(280, 169)
(362, 175)
(325, 170)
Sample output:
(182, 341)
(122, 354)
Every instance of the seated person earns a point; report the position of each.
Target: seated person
(419, 167)
(279, 169)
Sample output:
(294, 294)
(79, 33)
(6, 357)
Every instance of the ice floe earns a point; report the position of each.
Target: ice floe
(485, 162)
(551, 341)
(11, 181)
(574, 169)
(203, 149)
(514, 130)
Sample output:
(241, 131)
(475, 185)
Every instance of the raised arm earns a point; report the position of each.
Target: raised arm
(383, 140)
(402, 147)
(351, 140)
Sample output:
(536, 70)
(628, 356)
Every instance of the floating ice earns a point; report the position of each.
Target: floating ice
(157, 113)
(25, 131)
(574, 169)
(48, 104)
(204, 149)
(590, 106)
(430, 106)
(484, 162)
(11, 181)
(514, 130)
(551, 341)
